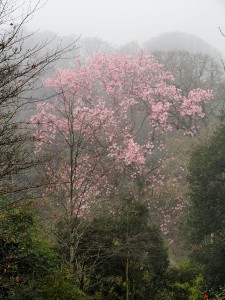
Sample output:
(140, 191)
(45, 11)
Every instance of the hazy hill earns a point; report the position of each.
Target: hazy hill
(180, 41)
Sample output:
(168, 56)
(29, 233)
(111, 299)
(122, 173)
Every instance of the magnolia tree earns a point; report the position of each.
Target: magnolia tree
(108, 120)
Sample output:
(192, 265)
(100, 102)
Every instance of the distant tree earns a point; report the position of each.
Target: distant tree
(129, 48)
(196, 70)
(89, 46)
(179, 41)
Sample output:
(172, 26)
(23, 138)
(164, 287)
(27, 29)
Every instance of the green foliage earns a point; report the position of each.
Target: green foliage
(220, 293)
(206, 218)
(120, 251)
(183, 282)
(211, 256)
(60, 285)
(25, 257)
(207, 183)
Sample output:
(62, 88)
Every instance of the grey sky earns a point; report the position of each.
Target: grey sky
(120, 21)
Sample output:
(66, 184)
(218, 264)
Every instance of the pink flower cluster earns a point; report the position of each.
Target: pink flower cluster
(110, 114)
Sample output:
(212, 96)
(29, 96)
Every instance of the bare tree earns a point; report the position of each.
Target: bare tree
(22, 65)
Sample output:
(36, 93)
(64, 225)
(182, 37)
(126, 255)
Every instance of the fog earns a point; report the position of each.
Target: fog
(120, 21)
(112, 165)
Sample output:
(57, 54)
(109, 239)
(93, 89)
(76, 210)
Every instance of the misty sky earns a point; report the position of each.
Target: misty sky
(120, 21)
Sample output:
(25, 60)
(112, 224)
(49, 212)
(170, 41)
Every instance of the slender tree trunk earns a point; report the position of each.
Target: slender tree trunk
(127, 279)
(72, 251)
(212, 237)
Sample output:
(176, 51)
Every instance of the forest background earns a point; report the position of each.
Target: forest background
(112, 166)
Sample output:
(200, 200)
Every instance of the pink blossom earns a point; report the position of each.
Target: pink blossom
(111, 114)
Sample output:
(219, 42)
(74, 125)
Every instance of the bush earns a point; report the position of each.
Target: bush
(183, 282)
(60, 285)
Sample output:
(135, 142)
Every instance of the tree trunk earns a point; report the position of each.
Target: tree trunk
(72, 252)
(127, 279)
